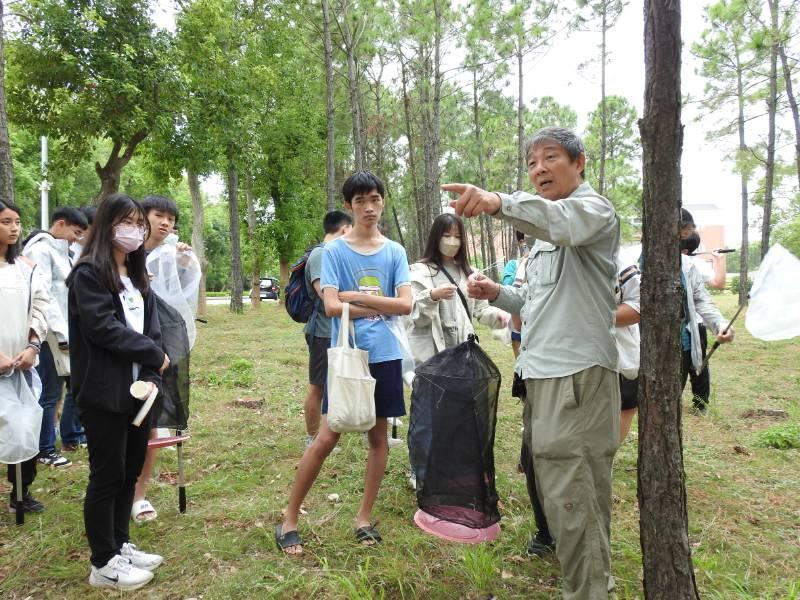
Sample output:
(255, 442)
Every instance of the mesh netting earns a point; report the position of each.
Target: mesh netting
(451, 435)
(172, 404)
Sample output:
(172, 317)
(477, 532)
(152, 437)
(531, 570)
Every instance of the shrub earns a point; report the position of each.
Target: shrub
(733, 284)
(781, 437)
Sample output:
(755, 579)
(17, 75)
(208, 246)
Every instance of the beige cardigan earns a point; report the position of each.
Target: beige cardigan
(424, 324)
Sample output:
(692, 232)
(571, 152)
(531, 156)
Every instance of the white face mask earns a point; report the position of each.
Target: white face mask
(449, 246)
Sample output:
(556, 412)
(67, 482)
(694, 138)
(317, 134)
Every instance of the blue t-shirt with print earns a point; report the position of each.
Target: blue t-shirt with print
(379, 273)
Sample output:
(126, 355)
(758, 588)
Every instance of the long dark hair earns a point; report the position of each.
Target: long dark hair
(99, 249)
(13, 249)
(441, 225)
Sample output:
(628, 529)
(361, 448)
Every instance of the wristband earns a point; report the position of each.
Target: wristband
(35, 345)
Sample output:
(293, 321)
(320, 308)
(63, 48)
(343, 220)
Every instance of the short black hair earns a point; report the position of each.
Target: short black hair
(160, 203)
(692, 242)
(520, 235)
(335, 219)
(686, 219)
(89, 211)
(361, 182)
(70, 215)
(12, 251)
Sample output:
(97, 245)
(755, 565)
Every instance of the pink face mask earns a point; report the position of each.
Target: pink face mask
(127, 237)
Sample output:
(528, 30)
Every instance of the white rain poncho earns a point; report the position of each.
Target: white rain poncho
(774, 309)
(20, 416)
(176, 280)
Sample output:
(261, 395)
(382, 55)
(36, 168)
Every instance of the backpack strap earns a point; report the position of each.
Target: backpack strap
(626, 274)
(458, 289)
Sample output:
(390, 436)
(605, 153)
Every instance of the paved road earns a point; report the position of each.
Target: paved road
(227, 300)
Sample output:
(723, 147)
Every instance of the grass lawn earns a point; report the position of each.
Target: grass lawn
(744, 505)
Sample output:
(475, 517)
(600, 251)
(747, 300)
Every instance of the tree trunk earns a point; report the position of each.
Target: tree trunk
(430, 99)
(330, 168)
(412, 164)
(198, 243)
(255, 251)
(601, 178)
(397, 225)
(236, 250)
(6, 164)
(787, 79)
(521, 159)
(743, 255)
(663, 523)
(772, 100)
(350, 41)
(111, 173)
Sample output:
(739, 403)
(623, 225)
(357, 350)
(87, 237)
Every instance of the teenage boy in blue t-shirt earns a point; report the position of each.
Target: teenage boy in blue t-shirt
(371, 273)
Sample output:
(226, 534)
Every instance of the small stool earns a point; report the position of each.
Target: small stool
(177, 441)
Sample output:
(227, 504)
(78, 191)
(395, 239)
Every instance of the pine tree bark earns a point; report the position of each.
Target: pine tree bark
(787, 80)
(663, 524)
(743, 255)
(255, 273)
(520, 126)
(412, 166)
(601, 178)
(330, 167)
(772, 101)
(6, 164)
(236, 249)
(350, 30)
(198, 243)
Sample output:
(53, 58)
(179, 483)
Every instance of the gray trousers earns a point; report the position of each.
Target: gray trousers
(574, 434)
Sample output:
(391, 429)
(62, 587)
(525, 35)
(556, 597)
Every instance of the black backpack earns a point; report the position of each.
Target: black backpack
(299, 304)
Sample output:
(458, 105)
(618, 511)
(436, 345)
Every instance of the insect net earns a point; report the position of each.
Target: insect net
(173, 400)
(451, 435)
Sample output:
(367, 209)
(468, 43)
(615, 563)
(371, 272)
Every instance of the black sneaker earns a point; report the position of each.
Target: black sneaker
(540, 545)
(54, 459)
(29, 505)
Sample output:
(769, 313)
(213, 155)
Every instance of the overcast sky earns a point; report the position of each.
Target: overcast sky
(707, 175)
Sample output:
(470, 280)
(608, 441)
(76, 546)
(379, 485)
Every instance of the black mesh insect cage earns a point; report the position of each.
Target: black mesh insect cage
(451, 435)
(173, 400)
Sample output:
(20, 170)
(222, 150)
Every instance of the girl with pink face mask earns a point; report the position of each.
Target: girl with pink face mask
(115, 339)
(442, 313)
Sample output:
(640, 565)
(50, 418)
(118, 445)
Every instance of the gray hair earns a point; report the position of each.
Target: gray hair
(566, 138)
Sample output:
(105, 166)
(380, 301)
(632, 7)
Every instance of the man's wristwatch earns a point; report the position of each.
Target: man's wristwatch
(35, 345)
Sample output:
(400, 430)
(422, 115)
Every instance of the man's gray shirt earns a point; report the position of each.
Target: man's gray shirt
(567, 304)
(318, 325)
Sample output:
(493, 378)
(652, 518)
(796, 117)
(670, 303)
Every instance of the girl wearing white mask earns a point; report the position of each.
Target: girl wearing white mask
(115, 339)
(441, 316)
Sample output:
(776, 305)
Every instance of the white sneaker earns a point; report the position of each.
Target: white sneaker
(139, 559)
(395, 442)
(119, 574)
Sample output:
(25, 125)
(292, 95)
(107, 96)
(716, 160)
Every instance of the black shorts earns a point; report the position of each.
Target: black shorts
(629, 392)
(317, 359)
(389, 400)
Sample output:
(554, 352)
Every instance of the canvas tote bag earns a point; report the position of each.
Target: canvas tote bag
(351, 388)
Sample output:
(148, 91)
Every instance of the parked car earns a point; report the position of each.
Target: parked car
(269, 288)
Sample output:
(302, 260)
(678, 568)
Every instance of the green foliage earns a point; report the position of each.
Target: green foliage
(80, 71)
(732, 260)
(240, 373)
(782, 437)
(733, 284)
(622, 173)
(788, 235)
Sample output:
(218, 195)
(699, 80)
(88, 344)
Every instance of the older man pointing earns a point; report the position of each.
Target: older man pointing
(568, 356)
